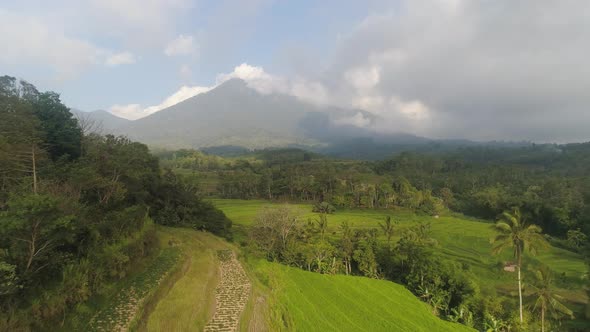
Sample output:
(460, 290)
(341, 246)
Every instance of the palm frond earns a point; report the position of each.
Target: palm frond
(558, 307)
(502, 227)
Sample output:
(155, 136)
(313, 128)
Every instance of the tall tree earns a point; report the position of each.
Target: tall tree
(513, 232)
(322, 224)
(545, 297)
(20, 140)
(62, 134)
(388, 230)
(347, 246)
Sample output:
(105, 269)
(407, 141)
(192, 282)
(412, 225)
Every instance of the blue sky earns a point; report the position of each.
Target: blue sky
(224, 33)
(478, 69)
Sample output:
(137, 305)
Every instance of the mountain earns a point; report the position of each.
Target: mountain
(234, 116)
(231, 114)
(100, 121)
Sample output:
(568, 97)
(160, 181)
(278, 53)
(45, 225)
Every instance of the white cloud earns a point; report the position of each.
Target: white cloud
(131, 111)
(30, 40)
(363, 78)
(136, 22)
(136, 111)
(181, 45)
(122, 58)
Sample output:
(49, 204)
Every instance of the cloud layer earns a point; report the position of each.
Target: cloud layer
(504, 70)
(477, 69)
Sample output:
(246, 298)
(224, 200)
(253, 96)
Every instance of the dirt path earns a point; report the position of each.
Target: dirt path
(231, 294)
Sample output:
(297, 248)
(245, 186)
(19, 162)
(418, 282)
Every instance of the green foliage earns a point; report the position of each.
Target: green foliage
(74, 209)
(32, 229)
(61, 133)
(548, 183)
(546, 300)
(324, 207)
(178, 204)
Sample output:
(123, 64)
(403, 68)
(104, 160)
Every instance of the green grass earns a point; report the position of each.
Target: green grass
(307, 301)
(462, 240)
(190, 301)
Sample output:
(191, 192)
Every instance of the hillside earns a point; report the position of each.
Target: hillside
(309, 301)
(100, 121)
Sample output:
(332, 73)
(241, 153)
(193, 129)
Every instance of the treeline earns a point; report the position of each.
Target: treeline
(549, 183)
(77, 209)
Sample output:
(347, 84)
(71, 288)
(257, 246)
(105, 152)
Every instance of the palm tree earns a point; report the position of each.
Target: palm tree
(514, 233)
(546, 298)
(387, 229)
(322, 224)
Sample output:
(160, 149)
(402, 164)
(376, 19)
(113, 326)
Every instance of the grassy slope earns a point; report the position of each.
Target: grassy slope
(462, 240)
(307, 301)
(190, 302)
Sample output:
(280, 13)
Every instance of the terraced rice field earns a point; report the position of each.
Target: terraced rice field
(307, 301)
(462, 240)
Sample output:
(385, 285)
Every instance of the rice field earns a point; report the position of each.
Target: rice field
(460, 239)
(307, 301)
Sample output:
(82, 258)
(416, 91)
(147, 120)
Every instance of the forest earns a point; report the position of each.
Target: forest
(77, 209)
(550, 184)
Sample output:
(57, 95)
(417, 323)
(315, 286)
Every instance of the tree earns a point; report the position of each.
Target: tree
(322, 224)
(21, 137)
(62, 134)
(33, 226)
(274, 228)
(347, 246)
(513, 232)
(387, 229)
(545, 297)
(322, 251)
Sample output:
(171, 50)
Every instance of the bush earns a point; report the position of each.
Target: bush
(324, 207)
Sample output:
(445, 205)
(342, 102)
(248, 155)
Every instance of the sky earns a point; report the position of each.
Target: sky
(475, 69)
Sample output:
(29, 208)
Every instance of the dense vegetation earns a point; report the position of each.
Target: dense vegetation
(550, 184)
(77, 209)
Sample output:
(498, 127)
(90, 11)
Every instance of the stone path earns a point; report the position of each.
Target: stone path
(231, 294)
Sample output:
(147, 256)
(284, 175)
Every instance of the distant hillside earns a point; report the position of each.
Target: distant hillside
(100, 121)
